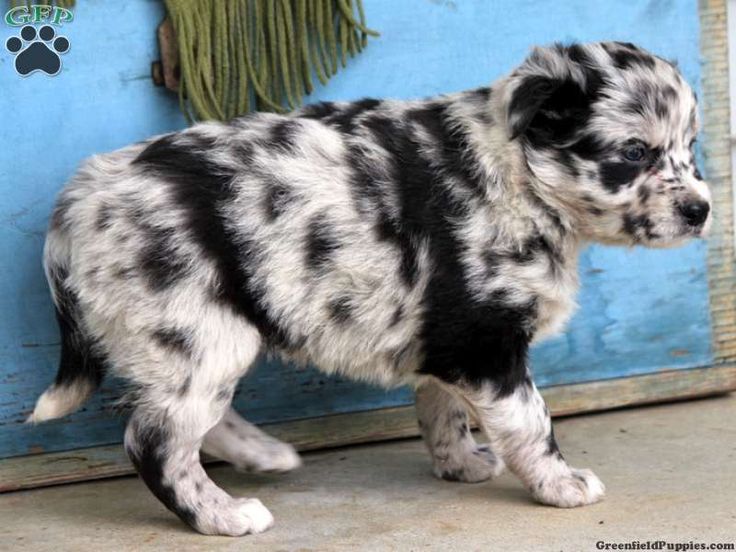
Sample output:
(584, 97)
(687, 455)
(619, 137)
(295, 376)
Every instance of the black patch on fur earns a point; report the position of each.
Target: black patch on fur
(82, 360)
(483, 94)
(276, 198)
(537, 245)
(696, 172)
(104, 216)
(590, 147)
(366, 187)
(616, 174)
(565, 158)
(397, 317)
(453, 475)
(455, 154)
(464, 339)
(345, 120)
(283, 135)
(149, 455)
(58, 216)
(634, 223)
(483, 97)
(527, 99)
(661, 108)
(342, 118)
(173, 340)
(160, 263)
(553, 448)
(244, 152)
(626, 55)
(321, 243)
(202, 188)
(318, 110)
(552, 214)
(341, 310)
(550, 111)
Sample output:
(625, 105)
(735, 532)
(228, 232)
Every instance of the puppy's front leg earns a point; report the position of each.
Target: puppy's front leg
(519, 428)
(443, 422)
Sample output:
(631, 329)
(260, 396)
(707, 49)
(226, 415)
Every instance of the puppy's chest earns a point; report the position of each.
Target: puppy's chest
(556, 304)
(542, 288)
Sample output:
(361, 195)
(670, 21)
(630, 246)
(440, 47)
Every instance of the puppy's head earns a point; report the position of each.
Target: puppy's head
(608, 130)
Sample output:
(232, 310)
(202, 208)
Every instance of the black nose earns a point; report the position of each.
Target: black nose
(695, 212)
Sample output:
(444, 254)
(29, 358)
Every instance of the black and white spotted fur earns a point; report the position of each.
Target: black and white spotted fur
(397, 242)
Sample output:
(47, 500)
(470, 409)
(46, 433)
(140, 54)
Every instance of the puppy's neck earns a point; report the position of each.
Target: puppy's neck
(520, 198)
(550, 206)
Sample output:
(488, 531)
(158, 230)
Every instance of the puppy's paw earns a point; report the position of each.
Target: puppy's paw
(576, 488)
(469, 466)
(242, 516)
(268, 457)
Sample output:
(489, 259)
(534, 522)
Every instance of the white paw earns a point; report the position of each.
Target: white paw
(577, 488)
(257, 515)
(282, 458)
(470, 466)
(269, 457)
(242, 516)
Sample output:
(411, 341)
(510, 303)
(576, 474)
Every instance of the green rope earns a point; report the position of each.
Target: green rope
(261, 54)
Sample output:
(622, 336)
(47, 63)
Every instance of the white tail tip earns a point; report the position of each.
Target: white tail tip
(58, 401)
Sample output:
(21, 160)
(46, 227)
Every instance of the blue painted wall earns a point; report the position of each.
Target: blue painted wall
(641, 311)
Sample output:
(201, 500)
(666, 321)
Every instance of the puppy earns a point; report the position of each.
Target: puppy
(426, 243)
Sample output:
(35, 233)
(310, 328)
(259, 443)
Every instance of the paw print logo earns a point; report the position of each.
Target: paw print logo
(37, 51)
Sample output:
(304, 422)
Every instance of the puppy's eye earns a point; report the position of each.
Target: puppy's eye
(635, 153)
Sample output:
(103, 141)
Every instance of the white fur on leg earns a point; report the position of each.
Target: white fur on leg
(443, 422)
(248, 448)
(520, 430)
(254, 510)
(215, 512)
(237, 517)
(576, 488)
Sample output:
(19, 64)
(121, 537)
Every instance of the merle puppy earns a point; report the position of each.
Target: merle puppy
(426, 243)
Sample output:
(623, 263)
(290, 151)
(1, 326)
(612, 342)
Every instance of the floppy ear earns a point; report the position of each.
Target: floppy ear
(552, 94)
(527, 100)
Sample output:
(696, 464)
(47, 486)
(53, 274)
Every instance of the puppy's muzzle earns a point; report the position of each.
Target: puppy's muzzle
(694, 211)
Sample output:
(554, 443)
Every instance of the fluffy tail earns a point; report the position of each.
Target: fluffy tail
(81, 368)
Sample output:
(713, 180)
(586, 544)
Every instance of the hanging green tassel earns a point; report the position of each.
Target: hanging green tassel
(241, 55)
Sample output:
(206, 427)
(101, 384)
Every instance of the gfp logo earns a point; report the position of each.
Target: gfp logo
(37, 50)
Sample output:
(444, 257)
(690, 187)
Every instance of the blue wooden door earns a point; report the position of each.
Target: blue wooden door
(641, 311)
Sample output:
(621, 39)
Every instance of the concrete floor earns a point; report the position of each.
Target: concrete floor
(670, 472)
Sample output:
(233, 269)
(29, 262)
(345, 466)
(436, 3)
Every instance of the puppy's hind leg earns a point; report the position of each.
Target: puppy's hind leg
(164, 436)
(248, 448)
(443, 421)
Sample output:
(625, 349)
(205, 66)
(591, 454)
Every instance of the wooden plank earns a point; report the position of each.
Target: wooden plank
(717, 133)
(390, 423)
